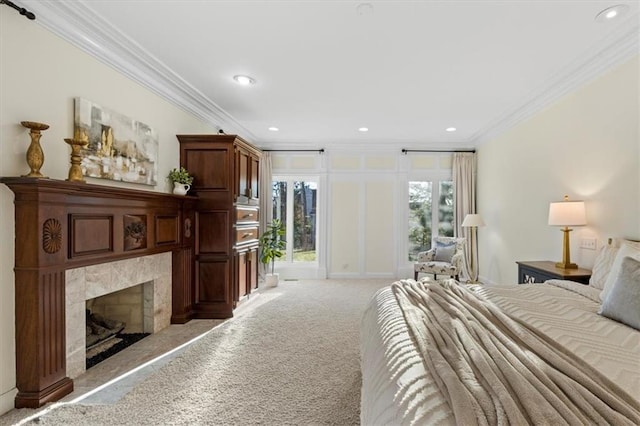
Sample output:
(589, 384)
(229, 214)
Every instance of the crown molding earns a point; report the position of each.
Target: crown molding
(100, 39)
(79, 25)
(619, 47)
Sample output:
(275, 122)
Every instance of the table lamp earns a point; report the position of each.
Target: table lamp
(567, 213)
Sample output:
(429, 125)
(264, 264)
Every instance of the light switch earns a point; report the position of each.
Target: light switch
(589, 243)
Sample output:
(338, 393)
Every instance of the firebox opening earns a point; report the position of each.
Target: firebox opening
(115, 321)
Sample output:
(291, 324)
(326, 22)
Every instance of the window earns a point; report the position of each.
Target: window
(295, 204)
(425, 222)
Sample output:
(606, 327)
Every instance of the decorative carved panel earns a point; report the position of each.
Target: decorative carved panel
(187, 228)
(51, 236)
(135, 232)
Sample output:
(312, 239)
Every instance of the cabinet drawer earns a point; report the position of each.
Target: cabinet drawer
(245, 235)
(244, 214)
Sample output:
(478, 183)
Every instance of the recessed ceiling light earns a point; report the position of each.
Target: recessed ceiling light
(451, 129)
(244, 80)
(273, 129)
(609, 13)
(364, 9)
(363, 129)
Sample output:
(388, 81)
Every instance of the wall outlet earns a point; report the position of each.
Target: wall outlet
(589, 243)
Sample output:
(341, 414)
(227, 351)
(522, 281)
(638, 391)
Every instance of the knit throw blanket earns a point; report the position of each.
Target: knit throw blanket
(495, 370)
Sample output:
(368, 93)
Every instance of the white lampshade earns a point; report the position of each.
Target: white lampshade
(567, 213)
(472, 220)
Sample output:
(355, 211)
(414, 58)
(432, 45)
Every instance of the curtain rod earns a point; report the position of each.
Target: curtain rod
(24, 12)
(405, 151)
(320, 151)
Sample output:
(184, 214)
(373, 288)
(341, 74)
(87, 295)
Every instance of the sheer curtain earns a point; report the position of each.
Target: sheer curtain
(266, 198)
(464, 202)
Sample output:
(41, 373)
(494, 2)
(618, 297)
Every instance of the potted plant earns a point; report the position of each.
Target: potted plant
(271, 248)
(181, 180)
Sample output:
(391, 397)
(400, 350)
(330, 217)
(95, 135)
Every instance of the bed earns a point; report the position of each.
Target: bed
(587, 361)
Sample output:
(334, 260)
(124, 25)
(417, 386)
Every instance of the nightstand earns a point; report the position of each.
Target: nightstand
(540, 271)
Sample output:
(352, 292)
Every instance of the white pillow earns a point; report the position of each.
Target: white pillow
(602, 266)
(627, 249)
(623, 301)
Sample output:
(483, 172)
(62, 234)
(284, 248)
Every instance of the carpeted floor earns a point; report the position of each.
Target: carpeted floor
(290, 358)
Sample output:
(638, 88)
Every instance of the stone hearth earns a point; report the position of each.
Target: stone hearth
(82, 284)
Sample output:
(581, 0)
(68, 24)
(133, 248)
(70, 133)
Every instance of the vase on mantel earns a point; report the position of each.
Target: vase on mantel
(35, 156)
(180, 188)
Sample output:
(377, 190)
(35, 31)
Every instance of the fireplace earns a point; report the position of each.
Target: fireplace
(152, 272)
(73, 242)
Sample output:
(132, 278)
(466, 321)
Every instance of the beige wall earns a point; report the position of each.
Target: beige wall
(39, 77)
(587, 146)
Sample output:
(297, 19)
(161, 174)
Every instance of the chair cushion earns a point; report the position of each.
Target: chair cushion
(444, 253)
(436, 268)
(445, 249)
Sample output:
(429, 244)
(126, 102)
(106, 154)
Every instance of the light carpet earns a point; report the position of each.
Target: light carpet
(290, 358)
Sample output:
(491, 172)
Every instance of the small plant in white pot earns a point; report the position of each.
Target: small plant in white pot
(181, 180)
(271, 248)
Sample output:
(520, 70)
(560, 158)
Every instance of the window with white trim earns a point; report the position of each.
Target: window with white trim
(430, 213)
(295, 204)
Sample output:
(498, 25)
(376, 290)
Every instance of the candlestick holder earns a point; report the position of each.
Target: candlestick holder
(75, 171)
(35, 156)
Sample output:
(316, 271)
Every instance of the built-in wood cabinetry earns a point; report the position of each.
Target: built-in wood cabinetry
(226, 181)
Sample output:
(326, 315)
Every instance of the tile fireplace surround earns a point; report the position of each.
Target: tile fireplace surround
(82, 284)
(75, 241)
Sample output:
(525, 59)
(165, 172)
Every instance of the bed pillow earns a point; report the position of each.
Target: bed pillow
(627, 249)
(602, 266)
(622, 303)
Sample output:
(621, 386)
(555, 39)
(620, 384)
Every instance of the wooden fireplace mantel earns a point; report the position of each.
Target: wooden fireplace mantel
(62, 225)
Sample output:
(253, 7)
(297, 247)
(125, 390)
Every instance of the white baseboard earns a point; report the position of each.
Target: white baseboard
(7, 401)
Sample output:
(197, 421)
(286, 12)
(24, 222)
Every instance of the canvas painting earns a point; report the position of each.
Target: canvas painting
(119, 148)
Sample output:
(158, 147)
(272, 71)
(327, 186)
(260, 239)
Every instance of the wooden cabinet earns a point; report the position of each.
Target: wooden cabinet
(540, 271)
(226, 181)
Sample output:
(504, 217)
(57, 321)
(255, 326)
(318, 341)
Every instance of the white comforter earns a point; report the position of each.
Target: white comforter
(397, 389)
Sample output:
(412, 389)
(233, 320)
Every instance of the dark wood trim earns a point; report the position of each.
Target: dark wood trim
(54, 232)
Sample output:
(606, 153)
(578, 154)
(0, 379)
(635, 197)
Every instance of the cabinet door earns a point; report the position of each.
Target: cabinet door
(253, 269)
(242, 173)
(210, 167)
(255, 177)
(241, 273)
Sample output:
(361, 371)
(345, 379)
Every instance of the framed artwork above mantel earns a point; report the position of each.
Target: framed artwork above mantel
(120, 148)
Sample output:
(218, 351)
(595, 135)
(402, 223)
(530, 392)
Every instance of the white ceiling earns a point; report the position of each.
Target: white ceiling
(406, 71)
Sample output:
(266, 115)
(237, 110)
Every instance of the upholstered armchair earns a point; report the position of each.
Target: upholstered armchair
(446, 258)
